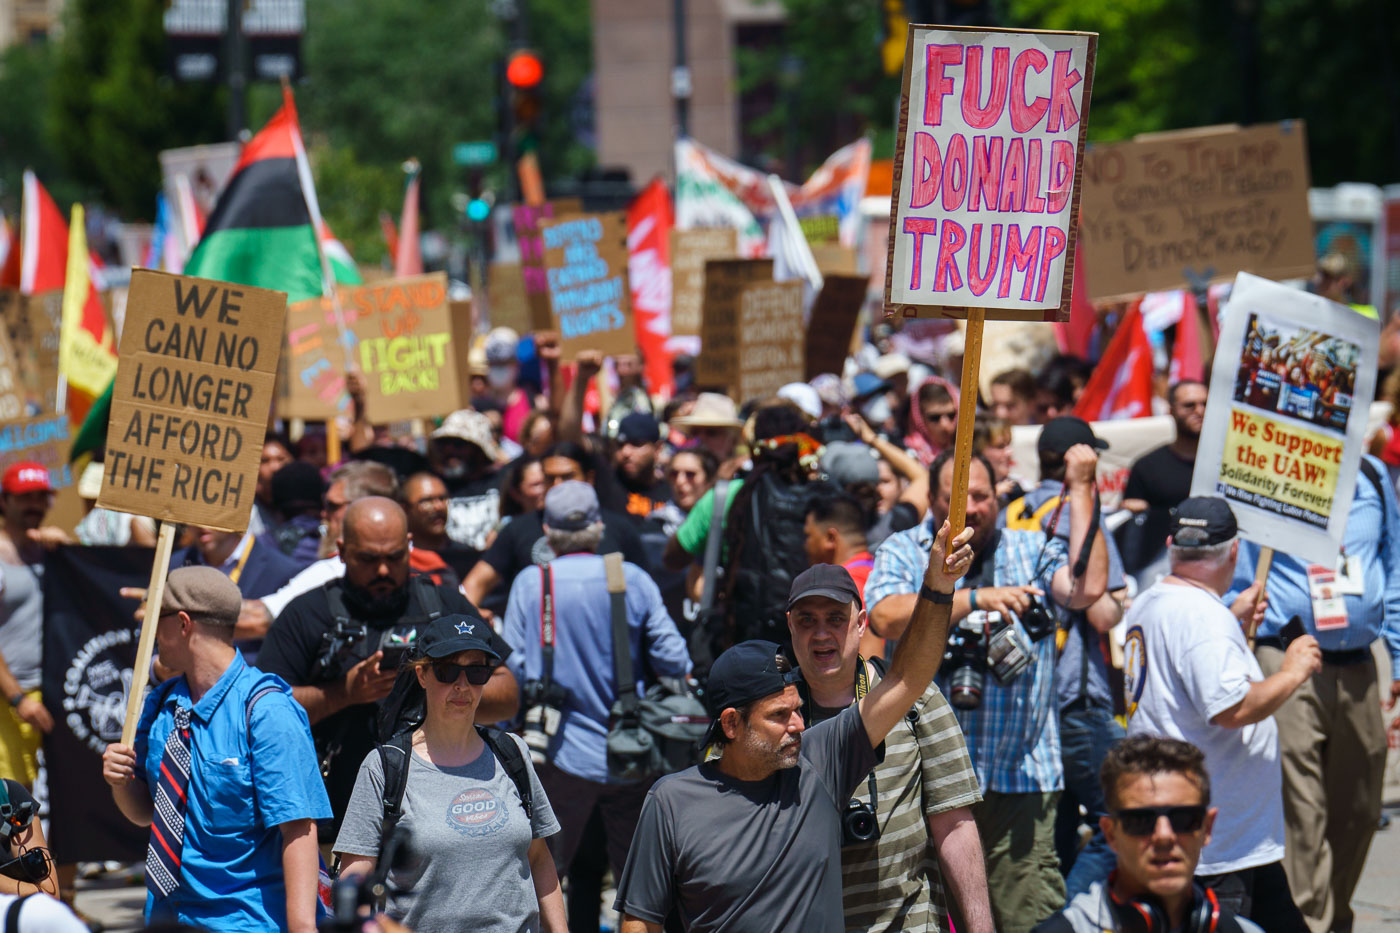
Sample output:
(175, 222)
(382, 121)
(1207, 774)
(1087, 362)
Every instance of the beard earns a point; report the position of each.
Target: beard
(784, 755)
(365, 605)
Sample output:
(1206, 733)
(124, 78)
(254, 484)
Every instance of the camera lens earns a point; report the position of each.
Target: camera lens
(965, 687)
(859, 825)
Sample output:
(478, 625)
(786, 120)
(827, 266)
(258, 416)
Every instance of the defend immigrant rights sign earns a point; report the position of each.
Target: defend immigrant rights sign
(689, 251)
(193, 388)
(526, 220)
(1214, 201)
(585, 263)
(986, 173)
(1291, 386)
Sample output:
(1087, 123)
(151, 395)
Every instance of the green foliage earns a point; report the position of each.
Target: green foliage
(562, 32)
(352, 193)
(112, 108)
(25, 72)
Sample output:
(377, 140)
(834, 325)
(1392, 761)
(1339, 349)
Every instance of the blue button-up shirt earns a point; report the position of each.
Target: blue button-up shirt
(247, 776)
(583, 650)
(1014, 736)
(1373, 536)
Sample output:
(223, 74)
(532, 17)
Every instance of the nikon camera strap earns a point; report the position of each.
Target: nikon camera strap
(622, 649)
(547, 624)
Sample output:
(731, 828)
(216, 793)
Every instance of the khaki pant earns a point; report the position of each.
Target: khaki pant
(1332, 745)
(1023, 872)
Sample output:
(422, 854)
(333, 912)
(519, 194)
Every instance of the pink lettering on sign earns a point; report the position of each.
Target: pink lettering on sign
(977, 116)
(980, 282)
(946, 276)
(1026, 114)
(920, 227)
(928, 171)
(939, 84)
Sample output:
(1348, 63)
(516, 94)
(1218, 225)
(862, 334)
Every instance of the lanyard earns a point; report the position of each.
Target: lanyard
(237, 570)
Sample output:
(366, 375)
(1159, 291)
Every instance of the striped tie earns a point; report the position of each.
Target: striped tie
(168, 820)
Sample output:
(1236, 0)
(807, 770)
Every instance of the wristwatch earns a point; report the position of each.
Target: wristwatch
(934, 596)
(17, 699)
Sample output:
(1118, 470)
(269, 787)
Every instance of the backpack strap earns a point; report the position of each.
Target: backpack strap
(712, 542)
(393, 758)
(253, 699)
(547, 624)
(622, 649)
(335, 599)
(513, 761)
(429, 599)
(12, 913)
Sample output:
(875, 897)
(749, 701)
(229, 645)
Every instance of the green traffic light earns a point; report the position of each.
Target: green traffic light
(478, 210)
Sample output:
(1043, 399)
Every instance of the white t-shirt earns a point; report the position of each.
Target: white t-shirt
(323, 571)
(1186, 661)
(39, 912)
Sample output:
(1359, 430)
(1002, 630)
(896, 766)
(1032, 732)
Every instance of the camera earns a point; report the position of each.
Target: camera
(544, 705)
(981, 642)
(1037, 620)
(353, 900)
(858, 824)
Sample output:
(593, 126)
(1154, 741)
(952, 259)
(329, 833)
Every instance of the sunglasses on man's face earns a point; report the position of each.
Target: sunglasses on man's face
(447, 673)
(1142, 821)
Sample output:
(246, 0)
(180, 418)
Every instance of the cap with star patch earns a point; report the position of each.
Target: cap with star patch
(456, 632)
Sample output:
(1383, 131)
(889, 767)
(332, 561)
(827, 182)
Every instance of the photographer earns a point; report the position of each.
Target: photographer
(1000, 670)
(562, 652)
(476, 818)
(340, 645)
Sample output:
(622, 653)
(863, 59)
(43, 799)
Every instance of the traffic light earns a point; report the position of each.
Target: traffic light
(524, 72)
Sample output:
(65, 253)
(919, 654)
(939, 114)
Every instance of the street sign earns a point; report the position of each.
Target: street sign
(480, 152)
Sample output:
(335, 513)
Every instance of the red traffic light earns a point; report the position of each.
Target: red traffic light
(524, 70)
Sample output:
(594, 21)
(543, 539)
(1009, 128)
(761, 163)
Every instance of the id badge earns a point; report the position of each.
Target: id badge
(1328, 604)
(1350, 579)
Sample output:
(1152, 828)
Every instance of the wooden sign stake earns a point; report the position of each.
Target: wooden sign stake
(967, 413)
(332, 440)
(1261, 576)
(135, 699)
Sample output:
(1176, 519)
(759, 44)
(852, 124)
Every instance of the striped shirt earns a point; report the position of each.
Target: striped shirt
(894, 883)
(1014, 736)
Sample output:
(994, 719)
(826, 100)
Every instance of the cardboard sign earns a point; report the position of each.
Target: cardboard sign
(506, 302)
(770, 356)
(398, 336)
(986, 175)
(689, 250)
(12, 404)
(194, 385)
(32, 325)
(527, 221)
(834, 315)
(585, 259)
(45, 440)
(1210, 201)
(718, 363)
(460, 313)
(1291, 386)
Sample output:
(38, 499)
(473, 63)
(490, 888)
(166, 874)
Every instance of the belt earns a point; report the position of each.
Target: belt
(1337, 658)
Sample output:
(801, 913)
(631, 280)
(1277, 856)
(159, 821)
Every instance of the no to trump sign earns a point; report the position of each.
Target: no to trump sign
(986, 176)
(194, 383)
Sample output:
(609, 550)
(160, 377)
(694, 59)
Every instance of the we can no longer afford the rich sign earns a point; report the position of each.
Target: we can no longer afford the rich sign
(197, 371)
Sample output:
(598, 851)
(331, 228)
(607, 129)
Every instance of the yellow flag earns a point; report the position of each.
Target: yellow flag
(85, 355)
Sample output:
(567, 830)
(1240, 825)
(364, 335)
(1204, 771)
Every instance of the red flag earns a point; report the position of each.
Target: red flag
(408, 259)
(1186, 353)
(44, 241)
(1074, 336)
(649, 222)
(9, 262)
(391, 233)
(1121, 386)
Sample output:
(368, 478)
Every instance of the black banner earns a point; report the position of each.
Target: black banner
(90, 639)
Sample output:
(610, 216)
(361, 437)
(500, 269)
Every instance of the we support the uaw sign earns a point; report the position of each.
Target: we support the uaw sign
(194, 384)
(986, 176)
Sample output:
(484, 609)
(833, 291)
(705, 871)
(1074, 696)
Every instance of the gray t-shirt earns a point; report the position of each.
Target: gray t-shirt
(22, 622)
(761, 856)
(469, 830)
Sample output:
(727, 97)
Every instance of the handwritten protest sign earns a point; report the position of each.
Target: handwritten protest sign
(1292, 382)
(507, 305)
(689, 250)
(585, 258)
(834, 315)
(193, 388)
(11, 385)
(45, 440)
(399, 334)
(770, 355)
(527, 220)
(1213, 201)
(986, 174)
(718, 363)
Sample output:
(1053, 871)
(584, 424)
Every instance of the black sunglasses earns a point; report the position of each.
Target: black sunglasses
(1142, 821)
(31, 865)
(447, 673)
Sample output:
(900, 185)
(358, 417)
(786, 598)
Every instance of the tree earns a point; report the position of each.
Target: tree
(26, 73)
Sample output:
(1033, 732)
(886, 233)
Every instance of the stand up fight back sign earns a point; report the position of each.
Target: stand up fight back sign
(986, 176)
(194, 384)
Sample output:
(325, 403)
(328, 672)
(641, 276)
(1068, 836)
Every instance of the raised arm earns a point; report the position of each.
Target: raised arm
(920, 649)
(1082, 591)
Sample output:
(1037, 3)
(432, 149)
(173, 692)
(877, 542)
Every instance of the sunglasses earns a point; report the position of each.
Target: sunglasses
(1142, 821)
(447, 673)
(31, 865)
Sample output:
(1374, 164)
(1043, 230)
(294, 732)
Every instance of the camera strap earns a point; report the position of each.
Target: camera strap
(622, 651)
(547, 623)
(862, 688)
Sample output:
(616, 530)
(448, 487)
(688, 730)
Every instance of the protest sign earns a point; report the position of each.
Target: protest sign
(1128, 439)
(189, 405)
(1292, 382)
(33, 327)
(718, 363)
(398, 333)
(1212, 201)
(834, 315)
(527, 220)
(585, 263)
(689, 250)
(45, 440)
(986, 175)
(770, 355)
(461, 315)
(506, 302)
(12, 403)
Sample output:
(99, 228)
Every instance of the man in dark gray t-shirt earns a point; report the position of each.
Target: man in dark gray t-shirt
(751, 843)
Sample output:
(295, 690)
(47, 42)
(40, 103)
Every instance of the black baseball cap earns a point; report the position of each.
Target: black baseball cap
(1202, 521)
(449, 634)
(1062, 433)
(830, 580)
(749, 671)
(638, 428)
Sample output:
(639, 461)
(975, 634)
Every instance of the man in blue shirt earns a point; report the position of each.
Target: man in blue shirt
(578, 628)
(233, 794)
(1332, 738)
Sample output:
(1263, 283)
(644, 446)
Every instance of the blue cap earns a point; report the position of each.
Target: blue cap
(868, 384)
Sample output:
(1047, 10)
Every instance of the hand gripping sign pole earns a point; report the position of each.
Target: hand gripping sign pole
(1261, 577)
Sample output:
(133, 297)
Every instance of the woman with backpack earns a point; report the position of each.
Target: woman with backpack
(475, 813)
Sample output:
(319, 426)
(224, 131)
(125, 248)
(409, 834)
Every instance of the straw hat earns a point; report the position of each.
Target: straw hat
(711, 410)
